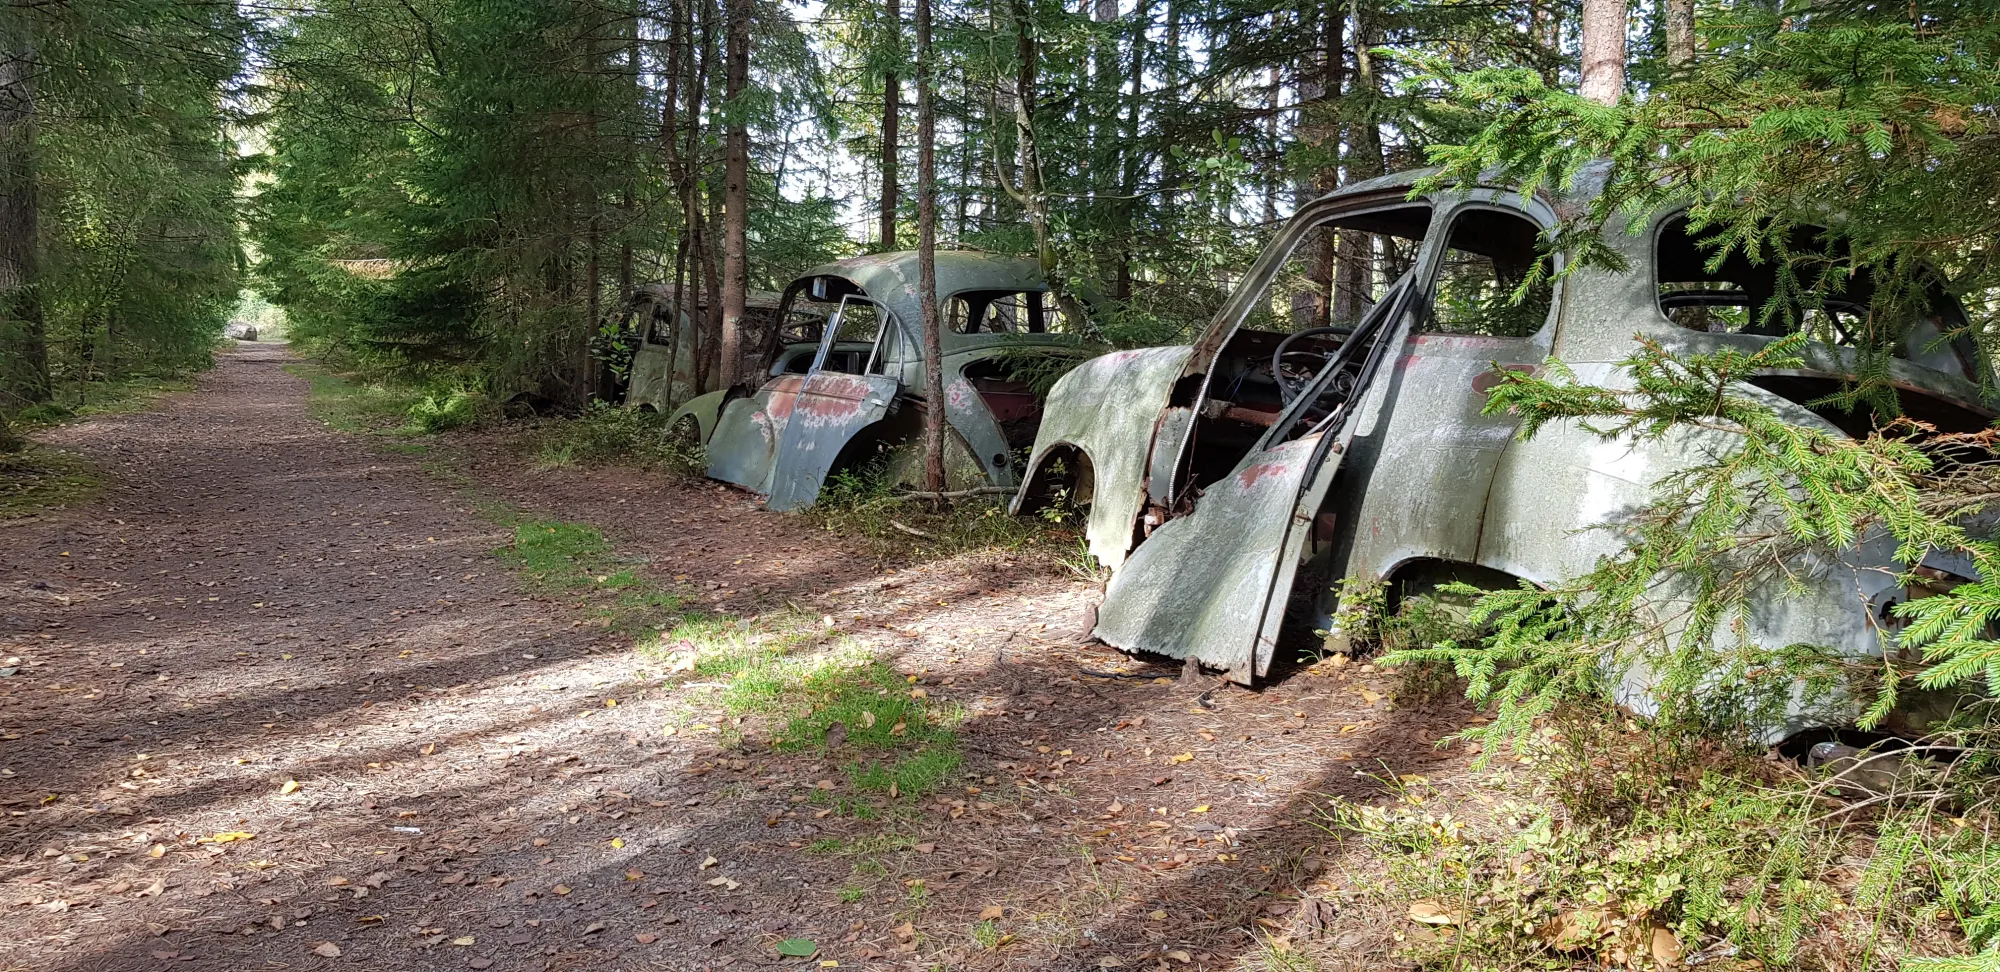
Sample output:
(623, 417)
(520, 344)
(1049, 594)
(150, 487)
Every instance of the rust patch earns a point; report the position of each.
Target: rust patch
(831, 399)
(1257, 472)
(784, 394)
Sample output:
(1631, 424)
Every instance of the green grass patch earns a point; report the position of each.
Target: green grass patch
(355, 404)
(39, 480)
(556, 555)
(1605, 850)
(81, 400)
(870, 844)
(350, 404)
(574, 559)
(896, 745)
(915, 774)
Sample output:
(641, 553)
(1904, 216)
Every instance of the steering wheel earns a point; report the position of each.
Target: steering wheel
(1290, 388)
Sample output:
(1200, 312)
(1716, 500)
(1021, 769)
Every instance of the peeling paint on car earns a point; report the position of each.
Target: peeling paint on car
(782, 439)
(1424, 477)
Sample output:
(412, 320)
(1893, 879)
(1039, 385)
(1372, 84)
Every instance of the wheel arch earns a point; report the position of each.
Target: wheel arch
(704, 409)
(1041, 480)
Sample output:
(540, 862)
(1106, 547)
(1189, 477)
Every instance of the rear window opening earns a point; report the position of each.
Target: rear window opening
(1815, 392)
(1740, 296)
(1005, 312)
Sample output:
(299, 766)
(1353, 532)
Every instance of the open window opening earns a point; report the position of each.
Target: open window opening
(1005, 312)
(1336, 273)
(1739, 296)
(1488, 256)
(855, 336)
(659, 320)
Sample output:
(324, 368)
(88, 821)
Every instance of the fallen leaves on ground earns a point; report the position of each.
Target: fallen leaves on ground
(1431, 913)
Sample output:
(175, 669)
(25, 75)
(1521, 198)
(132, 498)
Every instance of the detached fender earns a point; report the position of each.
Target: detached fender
(1109, 408)
(703, 409)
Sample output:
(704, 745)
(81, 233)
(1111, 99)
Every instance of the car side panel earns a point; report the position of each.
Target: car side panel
(1211, 585)
(1108, 407)
(1423, 457)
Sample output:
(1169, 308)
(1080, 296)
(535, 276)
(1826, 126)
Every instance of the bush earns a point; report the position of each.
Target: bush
(44, 413)
(606, 435)
(441, 411)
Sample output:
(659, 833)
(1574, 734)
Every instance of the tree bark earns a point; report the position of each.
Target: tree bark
(1679, 15)
(24, 356)
(1603, 51)
(627, 203)
(1271, 181)
(892, 104)
(711, 339)
(1128, 183)
(1319, 121)
(736, 199)
(934, 411)
(1354, 289)
(1097, 108)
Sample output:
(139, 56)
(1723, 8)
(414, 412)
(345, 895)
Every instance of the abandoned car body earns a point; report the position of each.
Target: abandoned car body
(1294, 441)
(848, 393)
(666, 361)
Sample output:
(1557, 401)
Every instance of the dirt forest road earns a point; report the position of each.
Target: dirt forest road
(271, 702)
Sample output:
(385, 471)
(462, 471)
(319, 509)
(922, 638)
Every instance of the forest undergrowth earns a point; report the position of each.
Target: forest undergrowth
(1684, 827)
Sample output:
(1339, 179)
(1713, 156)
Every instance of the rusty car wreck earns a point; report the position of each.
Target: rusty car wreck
(1293, 445)
(838, 385)
(665, 367)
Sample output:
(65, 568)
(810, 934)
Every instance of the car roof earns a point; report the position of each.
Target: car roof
(891, 279)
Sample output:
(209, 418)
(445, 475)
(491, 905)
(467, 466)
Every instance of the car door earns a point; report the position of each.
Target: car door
(830, 406)
(654, 358)
(1212, 585)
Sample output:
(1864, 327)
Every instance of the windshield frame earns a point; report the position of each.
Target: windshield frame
(1256, 281)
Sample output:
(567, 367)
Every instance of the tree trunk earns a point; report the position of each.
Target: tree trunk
(24, 355)
(711, 338)
(627, 212)
(1172, 172)
(1271, 102)
(704, 317)
(999, 130)
(1319, 121)
(1099, 114)
(9, 442)
(934, 402)
(1680, 31)
(678, 60)
(1354, 289)
(1128, 183)
(1603, 51)
(892, 104)
(736, 189)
